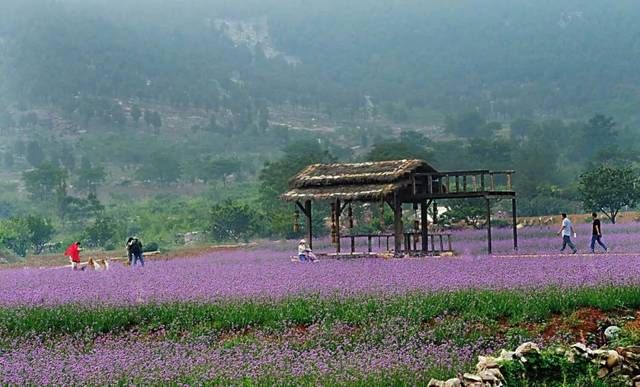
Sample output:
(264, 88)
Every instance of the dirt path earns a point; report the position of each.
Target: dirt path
(54, 260)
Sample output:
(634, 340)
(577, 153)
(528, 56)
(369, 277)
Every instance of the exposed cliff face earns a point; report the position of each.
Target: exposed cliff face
(254, 34)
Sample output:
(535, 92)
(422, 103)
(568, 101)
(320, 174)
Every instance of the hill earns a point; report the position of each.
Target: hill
(407, 58)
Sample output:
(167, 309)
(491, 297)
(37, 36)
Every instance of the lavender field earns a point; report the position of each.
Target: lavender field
(266, 272)
(252, 316)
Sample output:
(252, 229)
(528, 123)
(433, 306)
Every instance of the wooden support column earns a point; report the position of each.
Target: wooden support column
(435, 212)
(338, 211)
(424, 226)
(490, 249)
(515, 224)
(307, 211)
(397, 225)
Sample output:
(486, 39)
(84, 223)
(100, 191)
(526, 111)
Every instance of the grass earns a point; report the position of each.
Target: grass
(514, 306)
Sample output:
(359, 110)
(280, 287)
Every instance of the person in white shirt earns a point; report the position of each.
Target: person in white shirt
(566, 231)
(304, 252)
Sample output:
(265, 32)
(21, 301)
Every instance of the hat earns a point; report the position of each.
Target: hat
(302, 241)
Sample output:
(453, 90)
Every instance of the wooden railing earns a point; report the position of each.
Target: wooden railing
(474, 181)
(436, 243)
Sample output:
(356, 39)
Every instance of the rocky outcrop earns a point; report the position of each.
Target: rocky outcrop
(621, 365)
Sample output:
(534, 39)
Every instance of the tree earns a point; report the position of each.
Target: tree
(90, 177)
(15, 235)
(8, 159)
(154, 120)
(275, 176)
(609, 188)
(40, 232)
(136, 113)
(522, 127)
(162, 167)
(35, 155)
(67, 157)
(232, 221)
(221, 168)
(598, 133)
(103, 230)
(397, 150)
(470, 211)
(469, 124)
(45, 182)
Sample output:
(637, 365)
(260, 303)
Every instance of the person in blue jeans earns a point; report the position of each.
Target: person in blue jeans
(596, 233)
(566, 231)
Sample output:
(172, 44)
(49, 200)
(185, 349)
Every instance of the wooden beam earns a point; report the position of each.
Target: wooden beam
(435, 212)
(303, 208)
(397, 226)
(346, 203)
(338, 212)
(307, 211)
(515, 223)
(490, 247)
(424, 226)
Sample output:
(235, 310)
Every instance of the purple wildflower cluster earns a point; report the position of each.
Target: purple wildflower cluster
(141, 360)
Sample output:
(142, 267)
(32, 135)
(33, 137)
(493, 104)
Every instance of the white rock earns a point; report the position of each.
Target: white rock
(506, 355)
(612, 332)
(527, 348)
(454, 382)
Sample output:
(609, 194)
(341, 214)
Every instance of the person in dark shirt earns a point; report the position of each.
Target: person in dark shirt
(596, 234)
(136, 251)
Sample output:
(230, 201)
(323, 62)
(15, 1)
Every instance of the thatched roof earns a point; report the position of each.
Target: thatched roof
(357, 181)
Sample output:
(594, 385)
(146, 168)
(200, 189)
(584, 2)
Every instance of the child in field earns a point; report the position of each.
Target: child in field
(73, 252)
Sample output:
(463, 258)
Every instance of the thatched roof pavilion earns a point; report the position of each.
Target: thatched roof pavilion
(365, 182)
(394, 182)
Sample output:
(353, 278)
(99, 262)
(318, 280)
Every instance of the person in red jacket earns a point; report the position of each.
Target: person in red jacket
(73, 252)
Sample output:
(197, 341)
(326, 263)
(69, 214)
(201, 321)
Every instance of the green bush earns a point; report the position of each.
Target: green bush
(149, 247)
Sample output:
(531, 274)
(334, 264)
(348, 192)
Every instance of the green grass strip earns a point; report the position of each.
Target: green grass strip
(515, 306)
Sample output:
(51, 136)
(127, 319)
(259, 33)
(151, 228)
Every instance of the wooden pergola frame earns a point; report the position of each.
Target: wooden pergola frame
(397, 183)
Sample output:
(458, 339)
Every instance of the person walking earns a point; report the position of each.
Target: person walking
(129, 254)
(136, 251)
(73, 252)
(596, 234)
(566, 231)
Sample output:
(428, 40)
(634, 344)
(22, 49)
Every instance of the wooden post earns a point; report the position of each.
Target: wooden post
(435, 212)
(492, 177)
(338, 212)
(307, 210)
(397, 225)
(424, 226)
(457, 183)
(353, 244)
(368, 243)
(515, 224)
(490, 249)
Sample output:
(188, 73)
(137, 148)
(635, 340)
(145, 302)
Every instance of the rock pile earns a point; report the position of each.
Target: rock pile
(622, 364)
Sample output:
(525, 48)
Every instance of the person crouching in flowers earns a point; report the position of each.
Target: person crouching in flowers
(304, 252)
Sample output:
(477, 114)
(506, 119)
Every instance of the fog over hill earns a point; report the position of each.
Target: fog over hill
(507, 58)
(154, 117)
